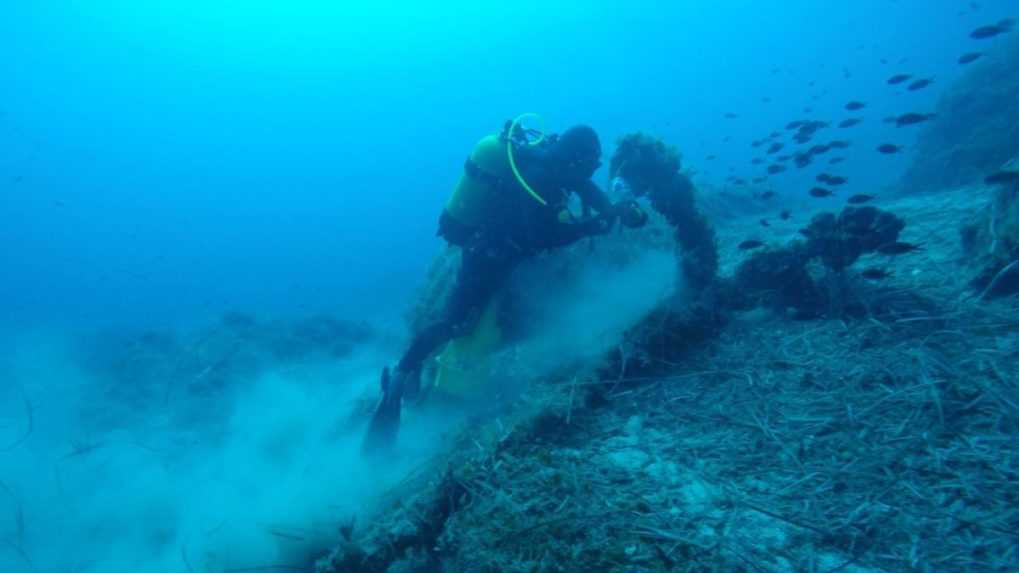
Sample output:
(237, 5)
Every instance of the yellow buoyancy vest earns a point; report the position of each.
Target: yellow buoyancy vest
(475, 194)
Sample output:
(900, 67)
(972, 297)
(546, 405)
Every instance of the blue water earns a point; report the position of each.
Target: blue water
(162, 163)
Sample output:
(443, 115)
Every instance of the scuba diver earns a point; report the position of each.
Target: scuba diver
(510, 204)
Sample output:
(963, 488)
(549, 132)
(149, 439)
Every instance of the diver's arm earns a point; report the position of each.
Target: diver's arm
(561, 233)
(629, 213)
(592, 196)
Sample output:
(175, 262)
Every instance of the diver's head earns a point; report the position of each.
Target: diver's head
(578, 152)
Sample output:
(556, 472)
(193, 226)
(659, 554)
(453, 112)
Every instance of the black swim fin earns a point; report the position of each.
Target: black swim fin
(385, 423)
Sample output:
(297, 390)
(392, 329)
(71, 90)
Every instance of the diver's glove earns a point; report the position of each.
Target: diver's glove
(597, 225)
(630, 214)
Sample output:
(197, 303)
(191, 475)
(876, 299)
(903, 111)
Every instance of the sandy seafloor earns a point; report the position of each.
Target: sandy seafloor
(885, 443)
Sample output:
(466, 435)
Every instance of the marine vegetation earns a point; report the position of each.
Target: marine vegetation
(653, 169)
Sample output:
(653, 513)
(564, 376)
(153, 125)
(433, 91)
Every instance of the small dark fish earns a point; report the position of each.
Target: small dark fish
(821, 192)
(898, 248)
(984, 32)
(831, 179)
(774, 135)
(919, 84)
(794, 125)
(801, 137)
(855, 105)
(756, 161)
(756, 143)
(764, 223)
(775, 148)
(898, 78)
(783, 158)
(912, 118)
(784, 215)
(888, 148)
(750, 244)
(875, 274)
(765, 99)
(766, 195)
(850, 122)
(775, 168)
(1002, 178)
(759, 180)
(811, 127)
(730, 115)
(970, 57)
(838, 144)
(859, 199)
(818, 149)
(803, 159)
(836, 160)
(710, 157)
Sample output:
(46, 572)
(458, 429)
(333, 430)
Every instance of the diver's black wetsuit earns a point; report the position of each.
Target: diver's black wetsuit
(518, 227)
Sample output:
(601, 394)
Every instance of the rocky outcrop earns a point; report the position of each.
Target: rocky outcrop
(991, 240)
(977, 126)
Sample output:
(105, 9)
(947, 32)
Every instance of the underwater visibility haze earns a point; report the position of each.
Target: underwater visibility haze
(561, 286)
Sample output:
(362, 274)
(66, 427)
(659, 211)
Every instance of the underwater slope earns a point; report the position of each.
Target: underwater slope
(881, 443)
(977, 127)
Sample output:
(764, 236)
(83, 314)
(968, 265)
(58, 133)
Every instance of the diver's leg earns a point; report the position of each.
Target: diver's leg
(425, 343)
(482, 272)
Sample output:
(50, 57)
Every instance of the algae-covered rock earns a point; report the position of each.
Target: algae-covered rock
(991, 240)
(780, 277)
(652, 169)
(840, 240)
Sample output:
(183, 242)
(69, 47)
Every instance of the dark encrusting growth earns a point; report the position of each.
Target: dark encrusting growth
(653, 169)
